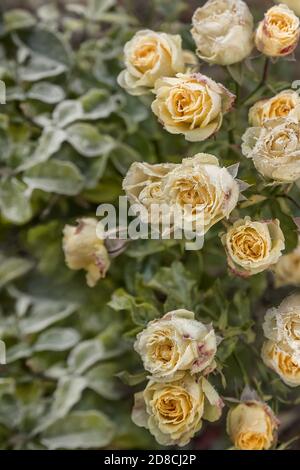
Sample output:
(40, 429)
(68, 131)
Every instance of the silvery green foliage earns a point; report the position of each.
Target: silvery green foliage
(68, 134)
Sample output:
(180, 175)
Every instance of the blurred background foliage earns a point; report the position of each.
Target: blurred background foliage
(68, 134)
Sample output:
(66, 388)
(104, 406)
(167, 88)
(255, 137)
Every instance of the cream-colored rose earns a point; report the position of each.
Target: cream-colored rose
(173, 412)
(148, 56)
(278, 34)
(282, 324)
(196, 193)
(251, 425)
(293, 4)
(284, 104)
(283, 360)
(204, 191)
(177, 343)
(85, 250)
(275, 149)
(253, 247)
(191, 104)
(223, 31)
(287, 270)
(143, 186)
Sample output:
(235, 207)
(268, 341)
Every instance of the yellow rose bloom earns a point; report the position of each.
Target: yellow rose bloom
(191, 104)
(275, 149)
(203, 191)
(284, 104)
(173, 412)
(176, 343)
(150, 55)
(281, 351)
(278, 34)
(253, 247)
(252, 426)
(283, 360)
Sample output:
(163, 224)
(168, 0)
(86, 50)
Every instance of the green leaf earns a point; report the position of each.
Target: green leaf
(67, 112)
(237, 72)
(19, 351)
(177, 284)
(48, 144)
(46, 43)
(67, 394)
(17, 19)
(44, 313)
(123, 156)
(96, 8)
(55, 176)
(141, 312)
(80, 430)
(46, 92)
(98, 104)
(86, 139)
(15, 201)
(87, 353)
(39, 68)
(102, 380)
(132, 379)
(12, 268)
(57, 339)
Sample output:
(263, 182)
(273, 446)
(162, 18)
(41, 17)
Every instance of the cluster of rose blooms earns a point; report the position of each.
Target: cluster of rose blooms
(177, 350)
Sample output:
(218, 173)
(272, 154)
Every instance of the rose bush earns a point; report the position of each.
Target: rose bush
(88, 322)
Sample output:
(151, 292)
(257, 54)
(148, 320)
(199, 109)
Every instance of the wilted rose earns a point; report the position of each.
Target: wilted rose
(150, 55)
(253, 247)
(191, 104)
(282, 324)
(284, 104)
(85, 250)
(275, 149)
(281, 351)
(252, 425)
(176, 343)
(173, 412)
(283, 360)
(223, 31)
(203, 191)
(278, 34)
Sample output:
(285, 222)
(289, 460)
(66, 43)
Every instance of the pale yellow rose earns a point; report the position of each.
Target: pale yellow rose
(283, 360)
(251, 425)
(287, 270)
(275, 149)
(284, 104)
(293, 4)
(253, 247)
(282, 324)
(204, 191)
(223, 31)
(173, 412)
(176, 343)
(150, 55)
(85, 250)
(191, 104)
(143, 186)
(278, 34)
(196, 193)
